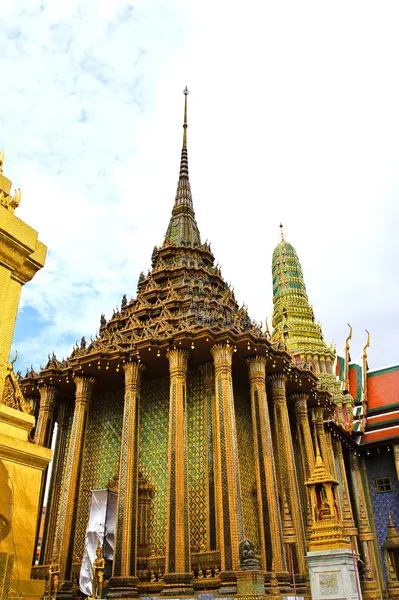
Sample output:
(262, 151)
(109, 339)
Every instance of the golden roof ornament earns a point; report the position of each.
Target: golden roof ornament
(347, 359)
(6, 199)
(282, 233)
(392, 537)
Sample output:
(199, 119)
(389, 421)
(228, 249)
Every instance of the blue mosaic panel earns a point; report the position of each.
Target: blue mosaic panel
(382, 464)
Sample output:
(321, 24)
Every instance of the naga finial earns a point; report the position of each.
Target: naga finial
(347, 359)
(282, 232)
(10, 367)
(185, 92)
(267, 330)
(1, 160)
(365, 369)
(349, 337)
(367, 344)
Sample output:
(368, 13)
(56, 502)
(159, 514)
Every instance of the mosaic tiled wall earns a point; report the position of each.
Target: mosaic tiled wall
(247, 464)
(101, 455)
(154, 458)
(383, 465)
(153, 455)
(101, 458)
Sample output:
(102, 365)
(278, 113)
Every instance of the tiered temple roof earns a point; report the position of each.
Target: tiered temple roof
(183, 300)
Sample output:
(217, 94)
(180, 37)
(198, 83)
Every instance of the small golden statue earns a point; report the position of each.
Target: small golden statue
(53, 581)
(98, 574)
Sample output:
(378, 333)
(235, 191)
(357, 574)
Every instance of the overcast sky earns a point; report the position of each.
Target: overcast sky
(293, 117)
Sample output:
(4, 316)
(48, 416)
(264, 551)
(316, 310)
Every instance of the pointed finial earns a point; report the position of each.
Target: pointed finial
(267, 330)
(282, 232)
(367, 344)
(1, 160)
(349, 336)
(347, 359)
(185, 92)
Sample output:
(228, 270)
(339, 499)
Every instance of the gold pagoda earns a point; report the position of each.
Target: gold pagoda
(201, 423)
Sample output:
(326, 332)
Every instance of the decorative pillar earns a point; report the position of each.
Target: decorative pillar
(44, 425)
(178, 574)
(343, 490)
(55, 485)
(396, 456)
(228, 497)
(366, 535)
(124, 582)
(287, 467)
(305, 446)
(43, 437)
(63, 540)
(209, 405)
(271, 532)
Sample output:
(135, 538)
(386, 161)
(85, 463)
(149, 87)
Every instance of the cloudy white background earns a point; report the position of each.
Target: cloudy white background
(293, 117)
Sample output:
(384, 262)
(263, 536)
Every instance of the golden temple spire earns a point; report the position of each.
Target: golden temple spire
(347, 359)
(282, 233)
(183, 229)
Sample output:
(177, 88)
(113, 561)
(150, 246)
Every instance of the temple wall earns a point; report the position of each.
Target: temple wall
(101, 456)
(247, 464)
(102, 448)
(383, 465)
(153, 456)
(197, 461)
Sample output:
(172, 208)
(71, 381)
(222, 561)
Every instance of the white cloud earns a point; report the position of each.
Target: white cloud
(292, 116)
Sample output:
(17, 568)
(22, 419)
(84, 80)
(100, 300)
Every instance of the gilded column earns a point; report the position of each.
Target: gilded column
(228, 497)
(44, 425)
(396, 456)
(287, 467)
(271, 531)
(124, 582)
(343, 490)
(63, 541)
(305, 445)
(209, 403)
(178, 560)
(55, 485)
(366, 535)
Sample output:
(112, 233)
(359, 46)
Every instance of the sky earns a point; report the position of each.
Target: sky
(293, 117)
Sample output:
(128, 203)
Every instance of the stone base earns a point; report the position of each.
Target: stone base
(228, 584)
(251, 585)
(332, 575)
(178, 584)
(123, 587)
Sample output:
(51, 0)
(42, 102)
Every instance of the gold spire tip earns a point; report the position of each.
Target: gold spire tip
(282, 232)
(185, 92)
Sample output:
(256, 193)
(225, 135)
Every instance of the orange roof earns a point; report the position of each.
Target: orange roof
(380, 434)
(383, 387)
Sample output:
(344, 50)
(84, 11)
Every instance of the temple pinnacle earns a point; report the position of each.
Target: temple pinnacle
(282, 232)
(183, 229)
(185, 92)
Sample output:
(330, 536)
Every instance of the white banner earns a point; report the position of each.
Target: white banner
(94, 534)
